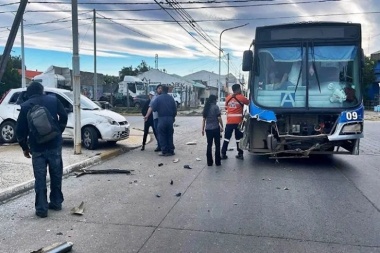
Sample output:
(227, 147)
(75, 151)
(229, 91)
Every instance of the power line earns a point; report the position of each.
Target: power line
(202, 7)
(184, 28)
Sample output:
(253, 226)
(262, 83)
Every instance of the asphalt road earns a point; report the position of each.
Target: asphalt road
(321, 204)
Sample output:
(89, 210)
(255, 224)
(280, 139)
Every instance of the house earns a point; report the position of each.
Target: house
(190, 91)
(29, 74)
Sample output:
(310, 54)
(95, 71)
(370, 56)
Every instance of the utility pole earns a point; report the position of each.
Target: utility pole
(95, 73)
(76, 79)
(23, 80)
(12, 36)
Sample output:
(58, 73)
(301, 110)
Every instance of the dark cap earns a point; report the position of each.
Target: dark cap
(35, 88)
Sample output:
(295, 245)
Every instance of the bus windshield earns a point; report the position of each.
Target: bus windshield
(322, 76)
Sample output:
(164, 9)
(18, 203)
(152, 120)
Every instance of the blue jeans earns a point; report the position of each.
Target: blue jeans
(40, 161)
(165, 134)
(155, 127)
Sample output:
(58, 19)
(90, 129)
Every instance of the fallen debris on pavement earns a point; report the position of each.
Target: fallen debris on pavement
(78, 210)
(60, 247)
(110, 171)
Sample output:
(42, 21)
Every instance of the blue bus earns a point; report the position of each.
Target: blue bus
(305, 89)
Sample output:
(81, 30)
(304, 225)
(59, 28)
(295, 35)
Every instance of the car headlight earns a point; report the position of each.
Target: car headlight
(353, 128)
(111, 121)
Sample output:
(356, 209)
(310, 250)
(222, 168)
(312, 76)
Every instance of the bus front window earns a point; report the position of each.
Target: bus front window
(330, 77)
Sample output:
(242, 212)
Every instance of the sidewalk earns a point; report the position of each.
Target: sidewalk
(16, 172)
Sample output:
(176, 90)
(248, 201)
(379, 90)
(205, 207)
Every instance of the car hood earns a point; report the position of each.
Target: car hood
(114, 115)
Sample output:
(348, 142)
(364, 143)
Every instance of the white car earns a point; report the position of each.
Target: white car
(96, 123)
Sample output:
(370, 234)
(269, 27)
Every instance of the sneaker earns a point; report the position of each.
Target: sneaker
(54, 207)
(42, 215)
(157, 150)
(223, 157)
(239, 156)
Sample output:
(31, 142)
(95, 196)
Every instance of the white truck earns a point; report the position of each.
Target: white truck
(52, 80)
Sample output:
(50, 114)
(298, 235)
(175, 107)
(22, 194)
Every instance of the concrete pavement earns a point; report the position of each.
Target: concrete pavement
(16, 172)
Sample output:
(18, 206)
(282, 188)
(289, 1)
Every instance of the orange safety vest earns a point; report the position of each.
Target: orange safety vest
(234, 106)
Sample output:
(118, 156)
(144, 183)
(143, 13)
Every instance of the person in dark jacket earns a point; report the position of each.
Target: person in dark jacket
(166, 108)
(212, 124)
(46, 154)
(149, 122)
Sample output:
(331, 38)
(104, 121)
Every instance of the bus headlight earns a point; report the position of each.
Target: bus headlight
(352, 128)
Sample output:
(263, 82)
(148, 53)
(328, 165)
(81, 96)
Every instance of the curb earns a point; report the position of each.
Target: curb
(16, 190)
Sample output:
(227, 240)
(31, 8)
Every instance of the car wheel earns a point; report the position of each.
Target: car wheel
(137, 105)
(90, 138)
(8, 132)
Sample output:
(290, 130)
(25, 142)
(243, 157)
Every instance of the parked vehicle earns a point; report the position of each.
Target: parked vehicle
(140, 100)
(96, 123)
(177, 98)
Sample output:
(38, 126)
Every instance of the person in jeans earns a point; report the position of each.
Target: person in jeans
(155, 116)
(149, 123)
(212, 124)
(234, 106)
(46, 154)
(166, 108)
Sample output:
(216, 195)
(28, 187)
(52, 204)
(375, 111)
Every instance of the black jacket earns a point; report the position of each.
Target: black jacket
(55, 108)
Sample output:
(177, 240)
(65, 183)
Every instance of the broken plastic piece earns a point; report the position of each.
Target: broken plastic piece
(158, 195)
(191, 143)
(198, 159)
(179, 194)
(160, 164)
(60, 247)
(171, 182)
(187, 167)
(78, 210)
(176, 160)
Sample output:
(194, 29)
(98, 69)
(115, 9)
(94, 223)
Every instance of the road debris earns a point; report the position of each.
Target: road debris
(110, 171)
(60, 247)
(187, 167)
(78, 210)
(176, 160)
(286, 188)
(191, 143)
(158, 195)
(178, 194)
(198, 159)
(171, 182)
(160, 164)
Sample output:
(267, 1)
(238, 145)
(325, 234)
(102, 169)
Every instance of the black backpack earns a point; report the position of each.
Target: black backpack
(42, 124)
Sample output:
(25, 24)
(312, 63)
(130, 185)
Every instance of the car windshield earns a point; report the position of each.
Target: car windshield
(85, 102)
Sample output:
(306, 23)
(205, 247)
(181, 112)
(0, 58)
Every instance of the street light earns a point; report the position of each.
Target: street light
(220, 51)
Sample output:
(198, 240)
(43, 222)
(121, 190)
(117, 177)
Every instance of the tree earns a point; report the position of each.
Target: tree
(129, 71)
(143, 67)
(11, 78)
(368, 75)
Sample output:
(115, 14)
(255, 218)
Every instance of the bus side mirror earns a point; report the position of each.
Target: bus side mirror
(247, 60)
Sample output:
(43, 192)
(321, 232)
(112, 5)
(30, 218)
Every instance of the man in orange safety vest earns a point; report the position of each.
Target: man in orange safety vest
(234, 107)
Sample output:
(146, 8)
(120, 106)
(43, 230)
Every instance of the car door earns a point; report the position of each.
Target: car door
(69, 130)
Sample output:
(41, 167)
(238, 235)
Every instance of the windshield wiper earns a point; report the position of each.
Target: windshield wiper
(315, 69)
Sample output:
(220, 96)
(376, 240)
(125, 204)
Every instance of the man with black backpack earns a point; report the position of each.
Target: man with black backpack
(40, 124)
(234, 107)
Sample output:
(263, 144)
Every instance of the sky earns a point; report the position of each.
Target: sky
(181, 38)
